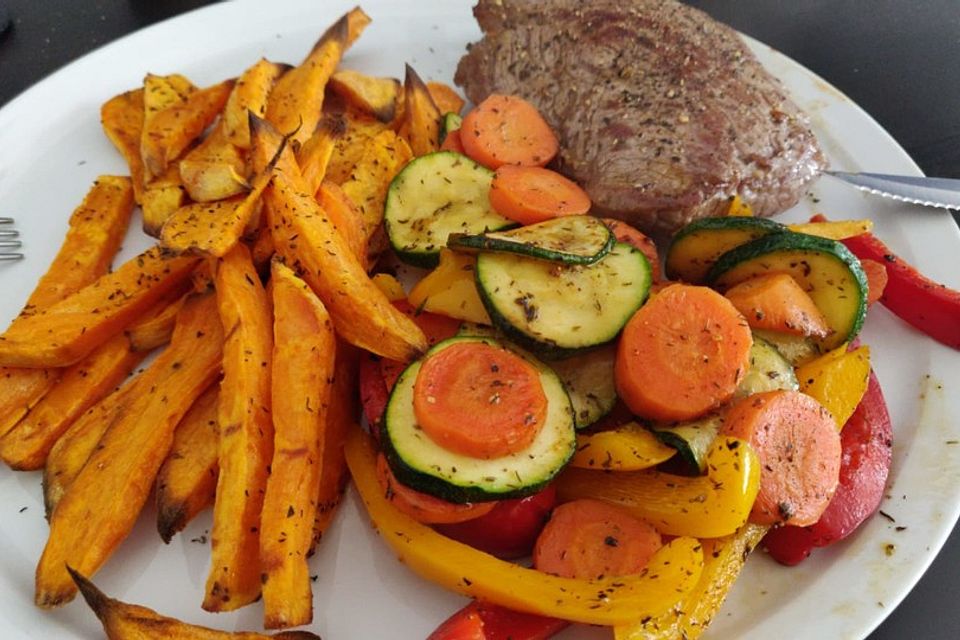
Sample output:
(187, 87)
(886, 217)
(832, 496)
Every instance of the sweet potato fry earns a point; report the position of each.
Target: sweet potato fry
(214, 169)
(445, 97)
(122, 621)
(303, 366)
(246, 433)
(357, 21)
(122, 119)
(187, 481)
(89, 317)
(295, 104)
(420, 123)
(314, 156)
(155, 328)
(383, 158)
(102, 504)
(249, 95)
(212, 228)
(346, 217)
(159, 94)
(160, 199)
(306, 237)
(168, 132)
(353, 130)
(96, 229)
(342, 412)
(75, 447)
(80, 387)
(376, 96)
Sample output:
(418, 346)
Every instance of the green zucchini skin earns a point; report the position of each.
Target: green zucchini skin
(568, 240)
(421, 464)
(691, 439)
(825, 268)
(557, 311)
(696, 247)
(433, 196)
(450, 121)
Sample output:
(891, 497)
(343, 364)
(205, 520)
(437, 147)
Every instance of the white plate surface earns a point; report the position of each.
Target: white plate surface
(53, 148)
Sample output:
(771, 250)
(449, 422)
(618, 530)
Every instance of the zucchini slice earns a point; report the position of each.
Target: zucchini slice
(769, 370)
(557, 310)
(825, 268)
(698, 245)
(795, 349)
(691, 439)
(570, 240)
(450, 121)
(422, 464)
(433, 196)
(588, 378)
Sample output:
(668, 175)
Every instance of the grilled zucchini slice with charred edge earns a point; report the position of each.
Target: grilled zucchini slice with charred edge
(569, 239)
(450, 121)
(558, 310)
(422, 464)
(436, 195)
(826, 270)
(698, 245)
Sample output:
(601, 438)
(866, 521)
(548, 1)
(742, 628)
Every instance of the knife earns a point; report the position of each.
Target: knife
(942, 193)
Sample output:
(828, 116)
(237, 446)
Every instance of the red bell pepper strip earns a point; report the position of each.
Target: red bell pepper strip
(373, 390)
(866, 443)
(931, 307)
(483, 621)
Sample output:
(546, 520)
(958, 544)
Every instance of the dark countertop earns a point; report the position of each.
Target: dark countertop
(897, 60)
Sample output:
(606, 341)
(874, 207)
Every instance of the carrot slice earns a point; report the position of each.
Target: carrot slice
(628, 235)
(508, 130)
(479, 400)
(876, 278)
(423, 507)
(682, 354)
(589, 539)
(452, 142)
(776, 302)
(533, 194)
(799, 447)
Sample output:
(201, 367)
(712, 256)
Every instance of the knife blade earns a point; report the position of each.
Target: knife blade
(941, 193)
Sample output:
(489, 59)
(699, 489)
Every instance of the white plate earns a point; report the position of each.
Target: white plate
(53, 148)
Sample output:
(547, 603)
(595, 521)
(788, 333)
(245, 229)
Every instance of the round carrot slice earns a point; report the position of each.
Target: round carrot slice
(533, 194)
(799, 448)
(423, 507)
(681, 354)
(507, 130)
(587, 539)
(452, 142)
(479, 400)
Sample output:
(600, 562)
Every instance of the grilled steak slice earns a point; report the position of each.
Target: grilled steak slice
(662, 113)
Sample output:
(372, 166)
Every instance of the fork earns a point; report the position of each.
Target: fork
(9, 242)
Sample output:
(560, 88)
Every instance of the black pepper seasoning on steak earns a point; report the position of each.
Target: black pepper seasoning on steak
(663, 113)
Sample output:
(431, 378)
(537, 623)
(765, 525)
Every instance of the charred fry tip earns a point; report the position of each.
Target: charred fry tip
(96, 599)
(170, 522)
(338, 32)
(296, 635)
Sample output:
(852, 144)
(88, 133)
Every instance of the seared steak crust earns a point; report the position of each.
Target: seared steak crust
(663, 113)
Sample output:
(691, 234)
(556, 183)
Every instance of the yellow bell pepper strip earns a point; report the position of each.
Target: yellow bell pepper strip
(670, 575)
(834, 230)
(450, 289)
(630, 447)
(739, 207)
(837, 380)
(709, 506)
(723, 559)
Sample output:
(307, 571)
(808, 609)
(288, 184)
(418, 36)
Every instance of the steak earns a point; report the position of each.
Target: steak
(663, 114)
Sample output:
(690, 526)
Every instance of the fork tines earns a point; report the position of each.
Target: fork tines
(7, 244)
